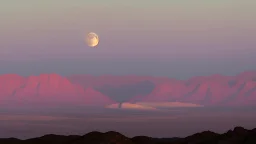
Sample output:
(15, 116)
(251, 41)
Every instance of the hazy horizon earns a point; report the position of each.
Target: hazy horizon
(160, 68)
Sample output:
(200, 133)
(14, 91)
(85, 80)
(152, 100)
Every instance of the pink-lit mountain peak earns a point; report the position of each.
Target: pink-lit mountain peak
(53, 81)
(49, 88)
(210, 90)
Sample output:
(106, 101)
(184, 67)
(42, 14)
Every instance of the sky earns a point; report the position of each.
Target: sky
(147, 37)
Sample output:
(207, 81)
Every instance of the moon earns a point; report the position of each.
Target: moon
(92, 39)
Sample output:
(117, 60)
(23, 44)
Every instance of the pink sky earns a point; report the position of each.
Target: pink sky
(170, 30)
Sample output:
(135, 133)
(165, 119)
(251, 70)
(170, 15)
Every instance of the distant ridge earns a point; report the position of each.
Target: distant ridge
(238, 135)
(213, 90)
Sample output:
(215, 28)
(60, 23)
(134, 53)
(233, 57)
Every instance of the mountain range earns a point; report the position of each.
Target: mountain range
(238, 135)
(214, 90)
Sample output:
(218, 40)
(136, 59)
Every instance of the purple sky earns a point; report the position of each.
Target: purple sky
(168, 38)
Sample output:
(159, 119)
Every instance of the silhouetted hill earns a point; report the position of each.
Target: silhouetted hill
(10, 141)
(51, 139)
(238, 135)
(110, 137)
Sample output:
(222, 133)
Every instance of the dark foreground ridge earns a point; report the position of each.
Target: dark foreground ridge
(238, 135)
